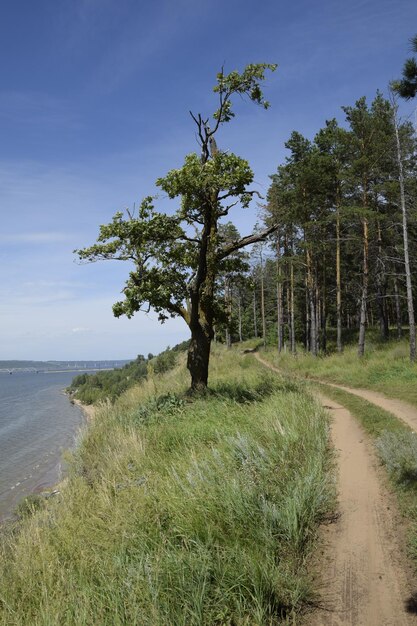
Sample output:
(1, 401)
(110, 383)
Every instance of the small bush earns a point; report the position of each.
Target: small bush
(158, 407)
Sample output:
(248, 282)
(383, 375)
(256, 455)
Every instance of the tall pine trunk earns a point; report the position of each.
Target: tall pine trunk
(364, 296)
(397, 309)
(292, 308)
(263, 300)
(381, 281)
(410, 304)
(324, 308)
(307, 320)
(239, 315)
(338, 286)
(279, 297)
(228, 307)
(311, 303)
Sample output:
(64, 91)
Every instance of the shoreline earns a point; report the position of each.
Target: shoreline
(49, 488)
(54, 476)
(89, 410)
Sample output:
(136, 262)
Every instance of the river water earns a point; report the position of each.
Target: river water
(37, 423)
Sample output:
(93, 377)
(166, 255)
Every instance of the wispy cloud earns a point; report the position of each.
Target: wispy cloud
(44, 299)
(140, 39)
(51, 284)
(36, 109)
(35, 238)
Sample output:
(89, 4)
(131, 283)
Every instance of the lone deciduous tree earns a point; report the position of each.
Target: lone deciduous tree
(176, 258)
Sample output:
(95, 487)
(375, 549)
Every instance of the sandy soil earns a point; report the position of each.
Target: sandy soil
(87, 409)
(364, 576)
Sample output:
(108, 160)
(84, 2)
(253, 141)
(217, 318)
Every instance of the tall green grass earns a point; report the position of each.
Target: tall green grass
(180, 512)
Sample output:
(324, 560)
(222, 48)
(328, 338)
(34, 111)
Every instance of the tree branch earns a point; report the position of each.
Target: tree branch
(246, 241)
(226, 209)
(252, 192)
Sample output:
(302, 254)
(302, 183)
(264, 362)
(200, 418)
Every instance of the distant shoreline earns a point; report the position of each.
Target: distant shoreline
(88, 369)
(33, 371)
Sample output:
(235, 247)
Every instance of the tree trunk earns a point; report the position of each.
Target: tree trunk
(228, 307)
(364, 297)
(293, 347)
(307, 322)
(279, 297)
(397, 309)
(239, 313)
(324, 309)
(288, 274)
(201, 313)
(381, 290)
(198, 358)
(338, 287)
(410, 304)
(311, 304)
(318, 312)
(255, 324)
(279, 316)
(263, 302)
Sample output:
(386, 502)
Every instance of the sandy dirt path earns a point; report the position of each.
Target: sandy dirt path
(364, 575)
(403, 410)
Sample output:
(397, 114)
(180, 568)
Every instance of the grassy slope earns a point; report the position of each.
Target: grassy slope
(179, 512)
(385, 368)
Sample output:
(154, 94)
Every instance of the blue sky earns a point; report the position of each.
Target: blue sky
(94, 101)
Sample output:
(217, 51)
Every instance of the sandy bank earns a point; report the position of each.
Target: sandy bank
(88, 409)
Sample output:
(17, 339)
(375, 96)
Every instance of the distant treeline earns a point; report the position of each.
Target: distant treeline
(90, 388)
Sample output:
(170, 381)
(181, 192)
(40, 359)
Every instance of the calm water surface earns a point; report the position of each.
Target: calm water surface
(37, 423)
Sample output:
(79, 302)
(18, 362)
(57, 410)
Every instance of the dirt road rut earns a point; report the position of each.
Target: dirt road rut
(403, 410)
(363, 571)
